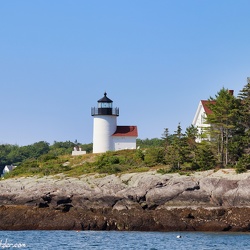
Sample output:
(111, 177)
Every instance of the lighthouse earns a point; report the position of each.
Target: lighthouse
(107, 136)
(105, 123)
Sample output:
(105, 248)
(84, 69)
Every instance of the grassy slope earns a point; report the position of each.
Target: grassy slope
(109, 162)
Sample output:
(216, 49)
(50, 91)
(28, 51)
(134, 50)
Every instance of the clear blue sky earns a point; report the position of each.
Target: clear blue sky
(156, 60)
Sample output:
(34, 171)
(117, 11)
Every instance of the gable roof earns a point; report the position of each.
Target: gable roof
(202, 107)
(205, 105)
(126, 131)
(9, 167)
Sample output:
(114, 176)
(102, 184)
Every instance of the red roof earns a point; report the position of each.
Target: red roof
(126, 131)
(205, 105)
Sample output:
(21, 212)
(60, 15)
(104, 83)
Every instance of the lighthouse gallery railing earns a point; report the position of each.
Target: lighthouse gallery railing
(105, 111)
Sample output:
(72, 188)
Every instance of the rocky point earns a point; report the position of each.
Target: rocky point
(204, 201)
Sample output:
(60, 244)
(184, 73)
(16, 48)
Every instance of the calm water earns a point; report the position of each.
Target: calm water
(122, 240)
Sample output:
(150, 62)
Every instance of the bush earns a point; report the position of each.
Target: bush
(139, 155)
(163, 171)
(243, 164)
(47, 157)
(107, 159)
(240, 169)
(114, 169)
(204, 157)
(154, 156)
(29, 167)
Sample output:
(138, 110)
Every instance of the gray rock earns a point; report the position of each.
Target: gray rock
(147, 190)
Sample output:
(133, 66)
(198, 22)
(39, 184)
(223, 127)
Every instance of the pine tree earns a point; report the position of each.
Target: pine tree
(177, 150)
(223, 120)
(244, 96)
(204, 159)
(165, 137)
(190, 136)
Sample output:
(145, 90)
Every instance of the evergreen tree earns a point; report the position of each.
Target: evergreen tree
(191, 134)
(223, 120)
(166, 137)
(176, 152)
(204, 156)
(244, 96)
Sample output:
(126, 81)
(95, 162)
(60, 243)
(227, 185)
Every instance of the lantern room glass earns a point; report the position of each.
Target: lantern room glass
(105, 105)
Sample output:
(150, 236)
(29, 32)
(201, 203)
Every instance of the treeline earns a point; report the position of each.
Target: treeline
(42, 150)
(15, 155)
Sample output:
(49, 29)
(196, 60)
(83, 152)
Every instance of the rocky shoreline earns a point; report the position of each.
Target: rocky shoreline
(204, 201)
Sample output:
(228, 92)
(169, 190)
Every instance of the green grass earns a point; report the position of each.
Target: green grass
(115, 162)
(74, 166)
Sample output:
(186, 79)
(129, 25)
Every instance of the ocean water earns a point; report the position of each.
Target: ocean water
(122, 240)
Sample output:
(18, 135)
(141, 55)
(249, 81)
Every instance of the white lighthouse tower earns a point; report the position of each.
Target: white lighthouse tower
(105, 125)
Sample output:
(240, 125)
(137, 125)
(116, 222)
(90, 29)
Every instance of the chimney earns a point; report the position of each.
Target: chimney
(231, 92)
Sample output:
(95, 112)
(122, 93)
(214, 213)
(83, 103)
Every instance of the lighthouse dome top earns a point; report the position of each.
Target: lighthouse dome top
(105, 99)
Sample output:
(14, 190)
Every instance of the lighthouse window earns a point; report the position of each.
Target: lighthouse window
(105, 105)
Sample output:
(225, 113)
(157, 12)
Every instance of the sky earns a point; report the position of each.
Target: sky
(155, 59)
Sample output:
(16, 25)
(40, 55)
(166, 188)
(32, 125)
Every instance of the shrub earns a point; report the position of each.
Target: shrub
(47, 157)
(243, 164)
(154, 156)
(107, 159)
(204, 159)
(240, 169)
(139, 155)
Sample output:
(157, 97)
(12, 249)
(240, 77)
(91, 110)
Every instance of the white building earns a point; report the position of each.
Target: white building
(107, 136)
(78, 151)
(200, 118)
(8, 168)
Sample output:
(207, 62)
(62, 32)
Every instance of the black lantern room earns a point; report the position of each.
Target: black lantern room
(105, 107)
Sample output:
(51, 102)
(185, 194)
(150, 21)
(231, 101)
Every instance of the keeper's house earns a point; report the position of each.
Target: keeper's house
(200, 118)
